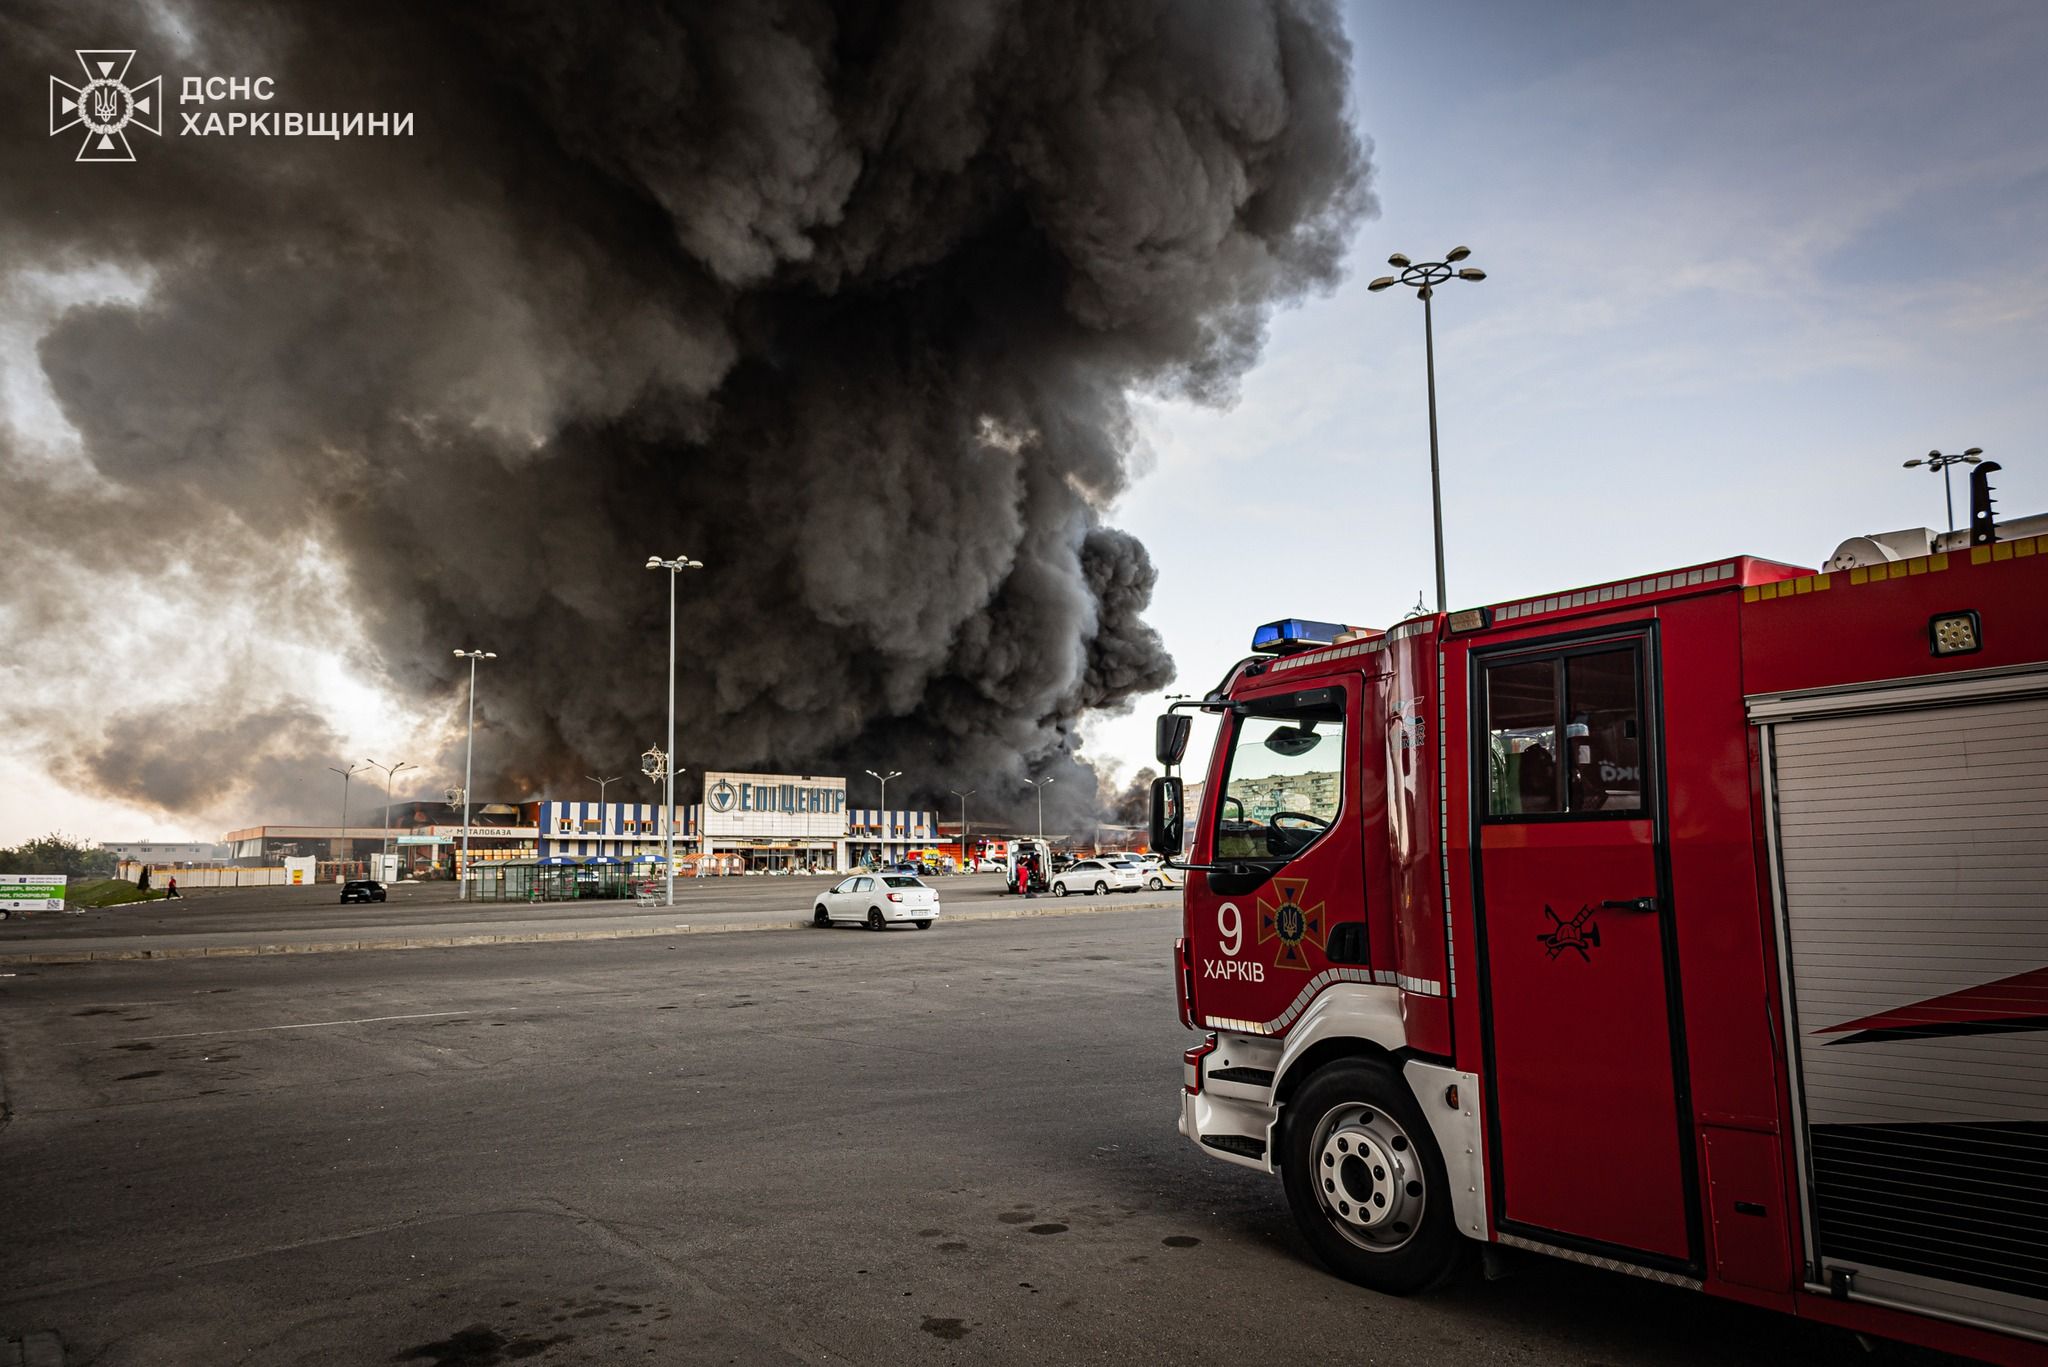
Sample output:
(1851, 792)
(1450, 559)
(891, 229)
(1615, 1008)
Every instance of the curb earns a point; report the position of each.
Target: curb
(100, 956)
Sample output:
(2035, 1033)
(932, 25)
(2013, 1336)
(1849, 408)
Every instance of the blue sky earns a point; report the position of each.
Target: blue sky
(1743, 259)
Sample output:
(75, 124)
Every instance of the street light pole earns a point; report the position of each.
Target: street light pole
(963, 823)
(1039, 784)
(1424, 278)
(344, 811)
(469, 768)
(1937, 462)
(668, 816)
(390, 772)
(883, 779)
(602, 784)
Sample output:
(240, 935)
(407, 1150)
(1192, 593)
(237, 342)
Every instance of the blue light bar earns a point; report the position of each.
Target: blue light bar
(1295, 633)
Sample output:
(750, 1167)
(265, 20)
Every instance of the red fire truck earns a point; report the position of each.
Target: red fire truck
(1694, 926)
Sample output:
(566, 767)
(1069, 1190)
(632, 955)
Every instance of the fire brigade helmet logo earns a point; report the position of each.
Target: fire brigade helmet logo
(721, 796)
(106, 106)
(1577, 933)
(1292, 925)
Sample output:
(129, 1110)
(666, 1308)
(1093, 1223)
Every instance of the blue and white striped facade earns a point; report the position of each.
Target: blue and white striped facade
(622, 829)
(626, 830)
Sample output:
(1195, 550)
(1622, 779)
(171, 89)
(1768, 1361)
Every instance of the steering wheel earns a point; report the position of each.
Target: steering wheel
(1285, 842)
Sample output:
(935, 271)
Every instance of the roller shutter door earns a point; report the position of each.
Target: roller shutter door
(1912, 852)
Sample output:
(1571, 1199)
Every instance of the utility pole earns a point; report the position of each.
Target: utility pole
(391, 771)
(469, 767)
(1039, 784)
(883, 779)
(668, 816)
(602, 820)
(1424, 279)
(339, 856)
(1937, 462)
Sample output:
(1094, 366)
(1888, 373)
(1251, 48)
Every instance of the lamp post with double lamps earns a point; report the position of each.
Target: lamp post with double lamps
(1423, 278)
(602, 822)
(338, 857)
(469, 767)
(1938, 463)
(883, 779)
(1039, 784)
(391, 771)
(668, 817)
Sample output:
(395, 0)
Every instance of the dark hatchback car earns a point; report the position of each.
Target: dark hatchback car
(362, 890)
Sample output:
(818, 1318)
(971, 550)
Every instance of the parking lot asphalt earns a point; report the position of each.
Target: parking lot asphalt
(835, 1147)
(429, 915)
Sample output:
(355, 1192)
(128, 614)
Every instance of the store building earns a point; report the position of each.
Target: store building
(772, 821)
(177, 853)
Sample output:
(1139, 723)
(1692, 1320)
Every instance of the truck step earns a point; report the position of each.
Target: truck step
(1251, 1077)
(1243, 1145)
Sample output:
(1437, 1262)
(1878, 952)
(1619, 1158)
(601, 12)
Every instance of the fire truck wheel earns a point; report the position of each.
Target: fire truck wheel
(1365, 1180)
(875, 919)
(820, 919)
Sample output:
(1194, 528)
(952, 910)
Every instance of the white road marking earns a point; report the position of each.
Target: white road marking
(315, 1025)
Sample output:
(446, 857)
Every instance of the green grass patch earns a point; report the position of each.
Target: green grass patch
(106, 892)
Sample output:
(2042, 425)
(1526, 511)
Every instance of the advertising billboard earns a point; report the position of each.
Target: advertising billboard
(32, 891)
(774, 805)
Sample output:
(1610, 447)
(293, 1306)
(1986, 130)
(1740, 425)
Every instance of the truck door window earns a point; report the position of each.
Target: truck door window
(1564, 734)
(1521, 734)
(1285, 780)
(1602, 736)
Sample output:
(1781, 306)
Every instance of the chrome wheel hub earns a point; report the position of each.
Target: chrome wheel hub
(1368, 1177)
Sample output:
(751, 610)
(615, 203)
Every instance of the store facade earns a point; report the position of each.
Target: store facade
(777, 823)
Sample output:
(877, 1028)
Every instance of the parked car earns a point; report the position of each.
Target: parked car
(1097, 875)
(362, 890)
(1155, 872)
(875, 900)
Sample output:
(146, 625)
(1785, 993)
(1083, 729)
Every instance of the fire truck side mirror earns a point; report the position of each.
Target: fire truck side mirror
(1167, 794)
(1170, 737)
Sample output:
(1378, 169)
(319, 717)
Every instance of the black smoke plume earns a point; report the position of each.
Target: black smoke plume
(846, 300)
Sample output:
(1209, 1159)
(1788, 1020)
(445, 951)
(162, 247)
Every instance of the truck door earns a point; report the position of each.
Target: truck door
(1579, 961)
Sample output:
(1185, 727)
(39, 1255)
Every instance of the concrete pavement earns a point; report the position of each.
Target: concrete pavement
(311, 921)
(914, 1148)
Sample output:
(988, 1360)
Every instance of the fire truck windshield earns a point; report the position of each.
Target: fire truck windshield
(1284, 781)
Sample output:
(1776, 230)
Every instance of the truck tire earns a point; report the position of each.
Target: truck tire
(1365, 1180)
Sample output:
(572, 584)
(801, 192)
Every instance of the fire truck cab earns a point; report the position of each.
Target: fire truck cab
(1693, 925)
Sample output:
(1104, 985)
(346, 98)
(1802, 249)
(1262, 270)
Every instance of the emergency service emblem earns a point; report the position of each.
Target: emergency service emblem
(106, 105)
(1576, 932)
(1290, 923)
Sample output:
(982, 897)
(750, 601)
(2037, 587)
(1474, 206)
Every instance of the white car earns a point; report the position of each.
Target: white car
(1155, 874)
(875, 900)
(1097, 875)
